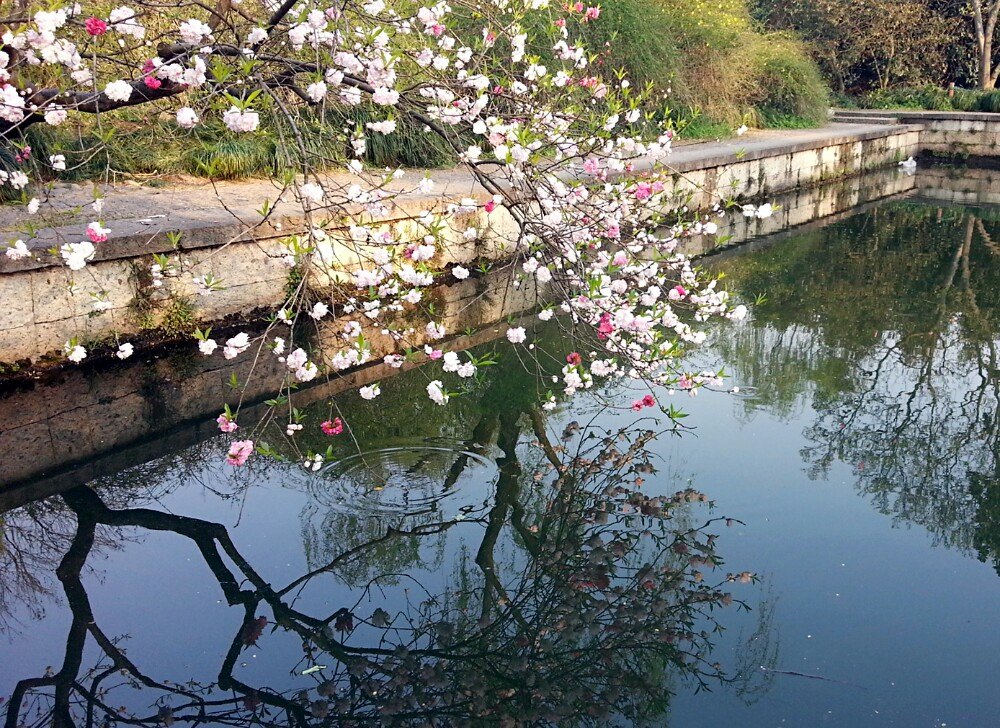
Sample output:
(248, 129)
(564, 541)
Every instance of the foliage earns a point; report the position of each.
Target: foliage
(861, 44)
(989, 102)
(138, 148)
(707, 60)
(930, 98)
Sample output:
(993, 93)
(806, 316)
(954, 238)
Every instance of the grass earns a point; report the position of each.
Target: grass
(709, 64)
(161, 148)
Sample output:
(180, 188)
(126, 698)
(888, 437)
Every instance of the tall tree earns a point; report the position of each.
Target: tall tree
(984, 16)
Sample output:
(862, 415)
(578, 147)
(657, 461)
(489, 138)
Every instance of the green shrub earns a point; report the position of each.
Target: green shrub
(990, 102)
(704, 60)
(709, 63)
(966, 99)
(788, 82)
(929, 98)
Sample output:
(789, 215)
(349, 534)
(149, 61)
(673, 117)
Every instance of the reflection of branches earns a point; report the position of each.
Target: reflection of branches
(582, 622)
(921, 428)
(911, 402)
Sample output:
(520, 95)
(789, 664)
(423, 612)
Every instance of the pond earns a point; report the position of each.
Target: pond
(820, 546)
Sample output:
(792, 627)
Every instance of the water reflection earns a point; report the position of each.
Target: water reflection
(490, 562)
(521, 576)
(886, 327)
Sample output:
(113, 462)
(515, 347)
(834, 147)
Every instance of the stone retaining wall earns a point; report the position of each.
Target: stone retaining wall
(957, 134)
(761, 173)
(42, 311)
(96, 420)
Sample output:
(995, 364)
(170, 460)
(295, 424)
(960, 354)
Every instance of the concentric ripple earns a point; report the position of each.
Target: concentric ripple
(408, 478)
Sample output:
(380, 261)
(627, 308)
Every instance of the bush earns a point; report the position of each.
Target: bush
(706, 60)
(160, 148)
(966, 99)
(990, 102)
(930, 98)
(709, 61)
(788, 83)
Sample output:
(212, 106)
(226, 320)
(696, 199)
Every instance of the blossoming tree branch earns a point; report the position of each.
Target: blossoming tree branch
(570, 167)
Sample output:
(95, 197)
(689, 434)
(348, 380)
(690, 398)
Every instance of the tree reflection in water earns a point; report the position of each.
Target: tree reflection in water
(608, 596)
(890, 320)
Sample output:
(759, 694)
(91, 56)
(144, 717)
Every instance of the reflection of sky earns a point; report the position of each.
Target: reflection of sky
(909, 626)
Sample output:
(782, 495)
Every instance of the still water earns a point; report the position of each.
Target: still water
(820, 548)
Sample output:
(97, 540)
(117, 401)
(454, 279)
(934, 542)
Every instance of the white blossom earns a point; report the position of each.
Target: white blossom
(516, 335)
(118, 90)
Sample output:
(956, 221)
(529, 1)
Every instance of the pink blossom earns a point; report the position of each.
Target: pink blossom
(685, 382)
(561, 23)
(677, 293)
(574, 358)
(438, 30)
(239, 452)
(591, 166)
(95, 26)
(647, 401)
(490, 206)
(332, 427)
(435, 354)
(593, 13)
(643, 191)
(97, 233)
(226, 424)
(604, 327)
(150, 80)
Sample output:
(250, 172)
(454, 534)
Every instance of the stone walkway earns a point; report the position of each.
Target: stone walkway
(191, 203)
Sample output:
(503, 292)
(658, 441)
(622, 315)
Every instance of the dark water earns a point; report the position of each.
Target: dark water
(492, 563)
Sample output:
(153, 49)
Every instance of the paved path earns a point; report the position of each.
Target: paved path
(190, 203)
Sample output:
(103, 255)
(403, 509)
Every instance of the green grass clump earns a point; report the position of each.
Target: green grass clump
(161, 148)
(931, 98)
(989, 101)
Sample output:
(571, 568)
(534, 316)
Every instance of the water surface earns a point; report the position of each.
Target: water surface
(490, 562)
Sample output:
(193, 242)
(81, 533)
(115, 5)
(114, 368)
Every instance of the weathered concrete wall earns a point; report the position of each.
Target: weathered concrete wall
(96, 420)
(948, 133)
(960, 134)
(809, 206)
(45, 311)
(760, 173)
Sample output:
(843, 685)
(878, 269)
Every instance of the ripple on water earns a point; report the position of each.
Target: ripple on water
(408, 478)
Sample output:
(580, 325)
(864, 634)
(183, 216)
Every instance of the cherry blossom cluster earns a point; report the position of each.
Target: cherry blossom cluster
(572, 157)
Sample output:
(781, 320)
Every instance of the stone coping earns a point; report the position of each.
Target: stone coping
(919, 115)
(688, 159)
